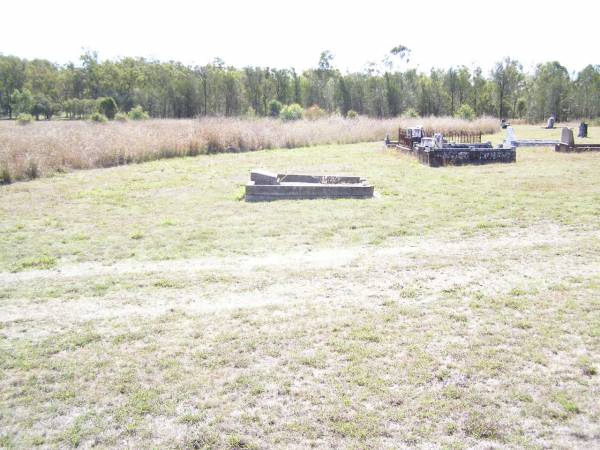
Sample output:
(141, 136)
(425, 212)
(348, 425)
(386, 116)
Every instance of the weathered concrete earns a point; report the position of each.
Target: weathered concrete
(456, 156)
(297, 191)
(328, 179)
(298, 186)
(567, 143)
(260, 176)
(566, 137)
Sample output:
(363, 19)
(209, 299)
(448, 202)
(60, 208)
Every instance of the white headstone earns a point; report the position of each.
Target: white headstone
(439, 140)
(510, 135)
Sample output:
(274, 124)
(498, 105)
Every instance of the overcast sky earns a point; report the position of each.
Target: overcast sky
(292, 34)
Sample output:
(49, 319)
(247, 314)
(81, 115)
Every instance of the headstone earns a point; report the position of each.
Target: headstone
(439, 140)
(427, 142)
(550, 123)
(387, 139)
(583, 130)
(263, 177)
(510, 136)
(566, 137)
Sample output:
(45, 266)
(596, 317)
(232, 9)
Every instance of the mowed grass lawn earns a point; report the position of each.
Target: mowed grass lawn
(147, 306)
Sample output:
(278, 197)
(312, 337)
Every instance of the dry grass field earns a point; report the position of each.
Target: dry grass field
(146, 306)
(44, 148)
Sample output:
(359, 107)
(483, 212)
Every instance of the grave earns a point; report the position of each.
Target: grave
(550, 123)
(449, 154)
(512, 141)
(567, 143)
(435, 151)
(266, 186)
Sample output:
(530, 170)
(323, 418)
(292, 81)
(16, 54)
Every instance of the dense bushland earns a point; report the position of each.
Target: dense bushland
(44, 89)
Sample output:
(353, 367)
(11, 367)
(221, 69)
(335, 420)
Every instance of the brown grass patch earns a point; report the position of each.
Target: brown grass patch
(49, 147)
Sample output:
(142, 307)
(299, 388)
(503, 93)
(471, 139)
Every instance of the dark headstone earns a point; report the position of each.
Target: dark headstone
(550, 123)
(583, 130)
(262, 177)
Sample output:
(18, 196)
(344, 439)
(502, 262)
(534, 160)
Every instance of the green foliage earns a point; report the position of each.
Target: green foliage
(292, 112)
(5, 177)
(23, 101)
(171, 89)
(24, 119)
(76, 108)
(98, 117)
(410, 112)
(315, 112)
(108, 107)
(138, 113)
(121, 117)
(465, 112)
(274, 107)
(351, 114)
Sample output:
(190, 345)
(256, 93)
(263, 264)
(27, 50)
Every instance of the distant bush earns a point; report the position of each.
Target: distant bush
(465, 112)
(274, 107)
(24, 119)
(98, 117)
(351, 114)
(108, 107)
(121, 117)
(314, 112)
(250, 113)
(292, 112)
(138, 113)
(5, 177)
(411, 113)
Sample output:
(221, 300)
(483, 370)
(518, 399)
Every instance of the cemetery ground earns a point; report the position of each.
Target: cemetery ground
(148, 306)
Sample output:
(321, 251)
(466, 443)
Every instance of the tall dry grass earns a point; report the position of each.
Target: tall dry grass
(41, 148)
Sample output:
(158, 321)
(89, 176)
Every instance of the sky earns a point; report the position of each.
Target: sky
(293, 34)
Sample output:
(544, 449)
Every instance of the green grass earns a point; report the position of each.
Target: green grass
(146, 306)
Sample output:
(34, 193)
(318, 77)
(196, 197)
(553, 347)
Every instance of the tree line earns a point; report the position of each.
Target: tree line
(171, 89)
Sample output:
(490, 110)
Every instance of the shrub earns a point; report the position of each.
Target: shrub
(465, 112)
(315, 112)
(250, 113)
(138, 113)
(108, 107)
(98, 117)
(121, 117)
(351, 114)
(24, 119)
(410, 112)
(274, 108)
(5, 177)
(292, 112)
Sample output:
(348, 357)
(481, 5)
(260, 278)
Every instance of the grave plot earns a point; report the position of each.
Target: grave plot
(410, 138)
(512, 141)
(453, 150)
(266, 186)
(462, 154)
(567, 143)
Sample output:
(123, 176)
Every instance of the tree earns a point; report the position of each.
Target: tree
(12, 77)
(506, 75)
(551, 89)
(23, 101)
(587, 92)
(108, 107)
(275, 108)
